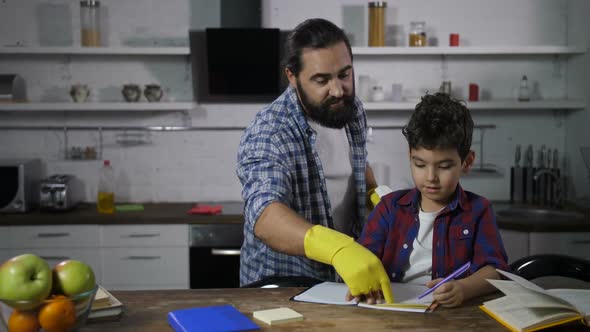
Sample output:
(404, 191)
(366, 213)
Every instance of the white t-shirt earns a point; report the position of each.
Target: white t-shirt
(334, 152)
(420, 267)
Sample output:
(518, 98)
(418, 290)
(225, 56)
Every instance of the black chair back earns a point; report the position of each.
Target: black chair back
(546, 265)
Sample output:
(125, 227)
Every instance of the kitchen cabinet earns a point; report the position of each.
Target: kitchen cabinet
(145, 257)
(123, 257)
(567, 243)
(53, 243)
(516, 244)
(520, 244)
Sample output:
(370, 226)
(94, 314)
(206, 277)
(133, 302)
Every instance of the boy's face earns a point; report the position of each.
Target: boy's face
(436, 174)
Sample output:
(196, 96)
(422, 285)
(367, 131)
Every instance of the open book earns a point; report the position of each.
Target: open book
(405, 296)
(105, 306)
(528, 307)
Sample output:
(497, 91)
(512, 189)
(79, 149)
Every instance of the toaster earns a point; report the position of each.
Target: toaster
(60, 192)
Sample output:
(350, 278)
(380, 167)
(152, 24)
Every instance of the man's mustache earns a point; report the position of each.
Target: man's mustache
(334, 100)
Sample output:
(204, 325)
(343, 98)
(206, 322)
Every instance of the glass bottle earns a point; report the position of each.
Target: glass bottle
(106, 189)
(90, 23)
(377, 94)
(417, 34)
(377, 23)
(523, 91)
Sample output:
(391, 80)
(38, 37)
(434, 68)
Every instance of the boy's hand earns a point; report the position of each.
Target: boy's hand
(449, 294)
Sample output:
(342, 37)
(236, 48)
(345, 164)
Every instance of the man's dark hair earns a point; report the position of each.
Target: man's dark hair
(313, 33)
(440, 121)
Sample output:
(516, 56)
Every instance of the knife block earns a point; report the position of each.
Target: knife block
(522, 186)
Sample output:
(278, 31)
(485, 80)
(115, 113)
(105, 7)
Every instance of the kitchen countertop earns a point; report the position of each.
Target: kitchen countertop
(175, 213)
(146, 311)
(153, 213)
(544, 225)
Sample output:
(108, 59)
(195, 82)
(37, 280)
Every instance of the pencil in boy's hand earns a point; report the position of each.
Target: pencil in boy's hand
(450, 277)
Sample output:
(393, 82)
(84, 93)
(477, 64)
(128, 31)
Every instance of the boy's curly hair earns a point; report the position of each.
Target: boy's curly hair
(440, 121)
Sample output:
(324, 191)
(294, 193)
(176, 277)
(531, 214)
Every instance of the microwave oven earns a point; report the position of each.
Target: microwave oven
(19, 185)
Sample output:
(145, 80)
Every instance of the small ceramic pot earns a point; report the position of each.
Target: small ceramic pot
(79, 93)
(131, 92)
(153, 92)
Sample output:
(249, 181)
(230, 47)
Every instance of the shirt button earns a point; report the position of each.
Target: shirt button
(393, 274)
(465, 231)
(405, 246)
(438, 243)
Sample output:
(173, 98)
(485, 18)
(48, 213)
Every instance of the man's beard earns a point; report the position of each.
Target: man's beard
(326, 116)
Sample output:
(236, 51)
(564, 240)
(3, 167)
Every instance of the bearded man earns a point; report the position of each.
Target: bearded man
(303, 166)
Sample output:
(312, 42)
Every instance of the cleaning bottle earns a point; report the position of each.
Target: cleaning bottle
(106, 189)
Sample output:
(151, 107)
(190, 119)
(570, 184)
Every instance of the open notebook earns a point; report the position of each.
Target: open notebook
(528, 307)
(405, 297)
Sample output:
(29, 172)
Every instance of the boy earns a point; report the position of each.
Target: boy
(428, 232)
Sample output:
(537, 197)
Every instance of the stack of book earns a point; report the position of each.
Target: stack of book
(105, 306)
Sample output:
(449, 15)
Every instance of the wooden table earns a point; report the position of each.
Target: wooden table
(146, 311)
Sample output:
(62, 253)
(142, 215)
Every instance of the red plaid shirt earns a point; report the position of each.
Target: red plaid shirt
(465, 230)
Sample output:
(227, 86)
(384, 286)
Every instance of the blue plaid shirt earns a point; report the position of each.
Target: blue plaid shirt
(278, 162)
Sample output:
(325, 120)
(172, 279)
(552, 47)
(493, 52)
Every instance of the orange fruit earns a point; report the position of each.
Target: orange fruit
(59, 315)
(23, 321)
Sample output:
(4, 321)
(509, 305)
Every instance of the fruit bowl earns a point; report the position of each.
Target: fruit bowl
(58, 313)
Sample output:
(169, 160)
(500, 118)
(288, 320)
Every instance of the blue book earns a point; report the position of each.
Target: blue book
(223, 318)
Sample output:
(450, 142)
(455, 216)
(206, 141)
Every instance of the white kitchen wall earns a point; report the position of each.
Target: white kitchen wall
(200, 165)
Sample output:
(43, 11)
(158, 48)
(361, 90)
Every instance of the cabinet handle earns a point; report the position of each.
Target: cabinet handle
(52, 234)
(143, 257)
(61, 258)
(581, 242)
(225, 252)
(144, 235)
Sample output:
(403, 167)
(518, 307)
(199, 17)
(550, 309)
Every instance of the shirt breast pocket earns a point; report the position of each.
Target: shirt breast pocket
(462, 239)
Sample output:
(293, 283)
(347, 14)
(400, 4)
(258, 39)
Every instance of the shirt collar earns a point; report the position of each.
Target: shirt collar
(294, 107)
(412, 198)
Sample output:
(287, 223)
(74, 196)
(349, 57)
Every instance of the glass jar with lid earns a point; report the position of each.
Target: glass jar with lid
(90, 23)
(377, 23)
(417, 34)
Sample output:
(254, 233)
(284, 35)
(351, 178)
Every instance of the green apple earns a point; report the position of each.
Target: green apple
(72, 277)
(25, 278)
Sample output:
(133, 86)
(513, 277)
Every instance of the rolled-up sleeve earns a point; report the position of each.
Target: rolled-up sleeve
(264, 172)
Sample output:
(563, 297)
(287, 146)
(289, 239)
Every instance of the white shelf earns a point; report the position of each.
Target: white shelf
(546, 104)
(123, 50)
(388, 50)
(470, 50)
(122, 106)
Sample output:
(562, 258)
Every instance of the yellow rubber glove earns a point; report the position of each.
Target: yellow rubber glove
(361, 270)
(375, 195)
